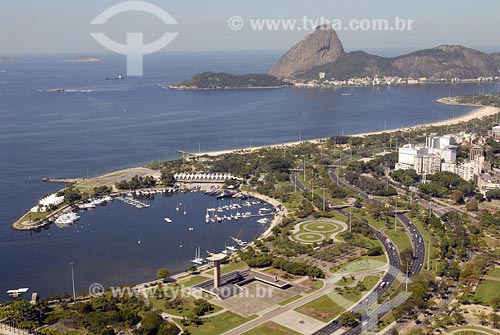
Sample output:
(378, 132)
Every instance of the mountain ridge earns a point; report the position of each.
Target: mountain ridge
(441, 62)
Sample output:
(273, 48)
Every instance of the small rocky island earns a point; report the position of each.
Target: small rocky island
(7, 59)
(84, 59)
(227, 81)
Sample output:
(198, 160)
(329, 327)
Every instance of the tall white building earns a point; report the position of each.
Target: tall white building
(406, 156)
(427, 159)
(449, 153)
(468, 170)
(427, 163)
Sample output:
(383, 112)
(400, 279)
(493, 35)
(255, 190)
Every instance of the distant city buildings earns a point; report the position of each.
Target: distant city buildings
(322, 81)
(427, 159)
(439, 154)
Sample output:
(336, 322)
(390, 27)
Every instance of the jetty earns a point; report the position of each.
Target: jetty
(63, 180)
(133, 202)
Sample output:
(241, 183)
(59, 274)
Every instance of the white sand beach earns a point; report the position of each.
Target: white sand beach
(477, 113)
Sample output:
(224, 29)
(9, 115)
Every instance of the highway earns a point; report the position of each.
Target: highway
(394, 261)
(412, 231)
(372, 298)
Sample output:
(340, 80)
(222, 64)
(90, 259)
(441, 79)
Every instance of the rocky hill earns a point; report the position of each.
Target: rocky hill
(447, 61)
(321, 47)
(322, 51)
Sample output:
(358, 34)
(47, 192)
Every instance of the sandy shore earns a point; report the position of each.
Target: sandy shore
(476, 113)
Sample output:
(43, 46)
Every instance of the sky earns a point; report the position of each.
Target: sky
(62, 26)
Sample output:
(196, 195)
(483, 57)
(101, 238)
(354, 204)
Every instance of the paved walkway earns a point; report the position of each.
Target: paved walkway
(281, 212)
(299, 322)
(473, 328)
(328, 287)
(491, 278)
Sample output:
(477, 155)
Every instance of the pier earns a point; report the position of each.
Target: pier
(63, 180)
(133, 202)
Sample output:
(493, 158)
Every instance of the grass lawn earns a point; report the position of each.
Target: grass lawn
(294, 201)
(319, 192)
(494, 272)
(361, 240)
(322, 309)
(400, 238)
(345, 281)
(354, 294)
(231, 267)
(386, 320)
(192, 281)
(185, 308)
(379, 224)
(316, 285)
(362, 263)
(219, 324)
(289, 300)
(271, 328)
(487, 291)
(316, 230)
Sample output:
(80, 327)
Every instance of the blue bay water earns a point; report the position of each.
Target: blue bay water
(130, 122)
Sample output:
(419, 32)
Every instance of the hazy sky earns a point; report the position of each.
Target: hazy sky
(62, 26)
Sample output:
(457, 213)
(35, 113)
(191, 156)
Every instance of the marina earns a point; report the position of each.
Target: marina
(120, 234)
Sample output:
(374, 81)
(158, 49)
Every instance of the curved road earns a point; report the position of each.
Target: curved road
(414, 234)
(394, 261)
(372, 298)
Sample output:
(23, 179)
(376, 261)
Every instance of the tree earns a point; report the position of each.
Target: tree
(483, 318)
(350, 319)
(21, 313)
(108, 331)
(358, 203)
(493, 194)
(167, 178)
(150, 324)
(494, 319)
(406, 258)
(163, 273)
(458, 318)
(472, 206)
(375, 251)
(457, 196)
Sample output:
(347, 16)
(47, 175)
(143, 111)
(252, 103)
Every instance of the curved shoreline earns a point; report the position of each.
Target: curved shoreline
(477, 113)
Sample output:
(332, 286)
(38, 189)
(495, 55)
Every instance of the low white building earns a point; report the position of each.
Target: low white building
(202, 177)
(46, 202)
(496, 131)
(487, 182)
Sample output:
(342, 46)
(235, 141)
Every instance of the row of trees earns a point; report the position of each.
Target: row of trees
(260, 260)
(136, 182)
